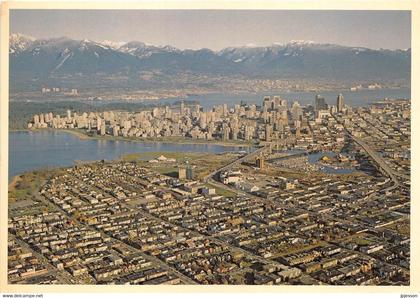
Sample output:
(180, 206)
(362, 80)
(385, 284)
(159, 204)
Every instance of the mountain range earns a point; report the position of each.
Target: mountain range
(37, 61)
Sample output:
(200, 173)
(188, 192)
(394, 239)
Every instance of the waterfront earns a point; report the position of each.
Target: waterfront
(36, 150)
(352, 98)
(314, 157)
(47, 149)
(207, 101)
(143, 152)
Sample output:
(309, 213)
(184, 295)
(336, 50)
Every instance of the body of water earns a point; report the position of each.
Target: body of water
(313, 158)
(36, 150)
(48, 149)
(352, 98)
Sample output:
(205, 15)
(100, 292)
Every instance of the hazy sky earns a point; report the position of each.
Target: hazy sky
(216, 29)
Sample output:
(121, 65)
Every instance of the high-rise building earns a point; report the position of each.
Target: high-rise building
(103, 129)
(182, 173)
(340, 103)
(98, 124)
(260, 162)
(267, 102)
(225, 110)
(225, 133)
(320, 103)
(247, 133)
(234, 133)
(267, 133)
(296, 111)
(190, 173)
(276, 102)
(265, 114)
(115, 130)
(182, 108)
(156, 112)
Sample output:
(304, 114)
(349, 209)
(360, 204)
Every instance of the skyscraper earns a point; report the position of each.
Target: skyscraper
(320, 103)
(267, 133)
(182, 172)
(296, 111)
(340, 103)
(190, 174)
(267, 102)
(182, 108)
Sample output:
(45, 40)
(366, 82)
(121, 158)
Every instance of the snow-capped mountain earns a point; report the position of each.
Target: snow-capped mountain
(309, 59)
(276, 50)
(19, 42)
(143, 50)
(113, 44)
(63, 55)
(31, 58)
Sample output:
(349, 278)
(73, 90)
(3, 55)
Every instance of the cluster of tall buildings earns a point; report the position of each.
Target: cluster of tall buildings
(186, 172)
(320, 104)
(273, 120)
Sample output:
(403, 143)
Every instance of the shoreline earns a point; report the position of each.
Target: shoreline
(228, 92)
(84, 136)
(14, 180)
(44, 170)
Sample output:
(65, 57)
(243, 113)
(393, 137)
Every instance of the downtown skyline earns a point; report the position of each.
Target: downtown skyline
(224, 147)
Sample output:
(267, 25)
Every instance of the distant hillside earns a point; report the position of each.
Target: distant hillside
(35, 62)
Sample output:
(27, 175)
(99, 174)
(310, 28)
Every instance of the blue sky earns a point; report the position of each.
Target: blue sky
(217, 29)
